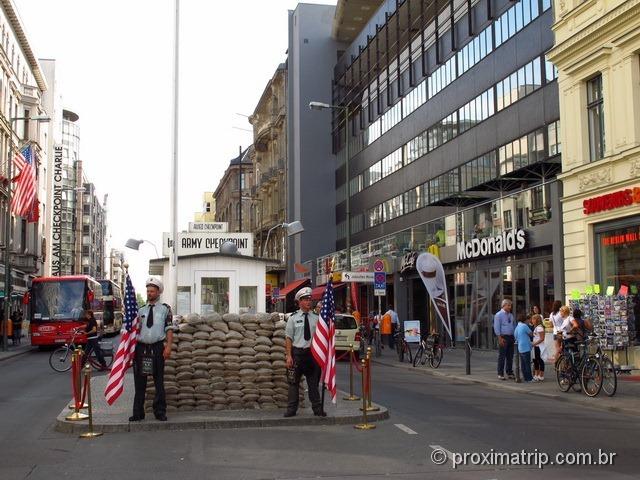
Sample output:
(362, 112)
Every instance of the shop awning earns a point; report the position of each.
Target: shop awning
(316, 293)
(292, 287)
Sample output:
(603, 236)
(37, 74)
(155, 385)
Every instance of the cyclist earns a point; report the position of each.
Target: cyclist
(93, 338)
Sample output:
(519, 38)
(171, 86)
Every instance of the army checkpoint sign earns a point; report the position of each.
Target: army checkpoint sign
(192, 243)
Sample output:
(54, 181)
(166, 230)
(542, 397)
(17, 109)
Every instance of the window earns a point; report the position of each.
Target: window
(248, 299)
(595, 114)
(214, 295)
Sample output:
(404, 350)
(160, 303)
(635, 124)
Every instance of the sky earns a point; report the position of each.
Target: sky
(114, 64)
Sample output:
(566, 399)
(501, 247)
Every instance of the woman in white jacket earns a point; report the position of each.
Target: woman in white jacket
(557, 319)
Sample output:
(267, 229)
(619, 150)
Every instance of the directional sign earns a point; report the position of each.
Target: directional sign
(380, 284)
(378, 266)
(275, 292)
(357, 277)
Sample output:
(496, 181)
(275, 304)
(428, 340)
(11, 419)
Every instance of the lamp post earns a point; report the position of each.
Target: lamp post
(345, 108)
(8, 229)
(261, 212)
(292, 228)
(134, 244)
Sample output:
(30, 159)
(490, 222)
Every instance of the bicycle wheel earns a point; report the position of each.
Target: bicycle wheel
(436, 358)
(591, 377)
(408, 351)
(609, 376)
(418, 356)
(60, 359)
(564, 373)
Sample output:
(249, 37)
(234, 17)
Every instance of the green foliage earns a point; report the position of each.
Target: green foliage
(140, 299)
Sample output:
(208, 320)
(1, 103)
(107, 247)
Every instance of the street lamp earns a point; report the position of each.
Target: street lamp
(325, 106)
(7, 228)
(251, 199)
(292, 228)
(135, 245)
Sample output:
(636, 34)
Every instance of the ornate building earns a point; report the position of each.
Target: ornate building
(231, 198)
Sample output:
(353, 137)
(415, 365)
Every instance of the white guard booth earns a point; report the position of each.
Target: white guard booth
(216, 282)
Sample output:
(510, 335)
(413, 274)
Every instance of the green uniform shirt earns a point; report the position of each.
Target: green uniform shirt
(295, 328)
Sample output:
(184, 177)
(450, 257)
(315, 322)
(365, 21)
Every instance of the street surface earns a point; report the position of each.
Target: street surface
(427, 414)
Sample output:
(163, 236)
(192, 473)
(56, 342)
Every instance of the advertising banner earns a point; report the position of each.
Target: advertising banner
(411, 331)
(432, 275)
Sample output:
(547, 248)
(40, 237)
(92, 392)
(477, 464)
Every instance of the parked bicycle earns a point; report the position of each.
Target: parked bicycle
(577, 368)
(429, 350)
(609, 373)
(403, 349)
(60, 358)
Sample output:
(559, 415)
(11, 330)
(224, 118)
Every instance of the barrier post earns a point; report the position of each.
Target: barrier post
(90, 433)
(370, 407)
(76, 359)
(364, 425)
(351, 397)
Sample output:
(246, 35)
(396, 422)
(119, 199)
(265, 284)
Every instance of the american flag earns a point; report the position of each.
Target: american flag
(127, 348)
(26, 185)
(323, 344)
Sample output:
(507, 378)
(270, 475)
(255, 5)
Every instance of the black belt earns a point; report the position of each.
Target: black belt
(301, 350)
(154, 343)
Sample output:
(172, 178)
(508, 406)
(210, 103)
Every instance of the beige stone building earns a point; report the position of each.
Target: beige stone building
(269, 195)
(232, 201)
(597, 53)
(208, 213)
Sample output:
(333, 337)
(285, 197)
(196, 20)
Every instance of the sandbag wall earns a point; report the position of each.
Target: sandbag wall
(226, 362)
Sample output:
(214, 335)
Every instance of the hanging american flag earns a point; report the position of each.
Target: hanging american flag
(323, 344)
(25, 192)
(127, 348)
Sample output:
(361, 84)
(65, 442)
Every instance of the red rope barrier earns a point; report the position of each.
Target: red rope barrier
(355, 364)
(74, 381)
(342, 356)
(84, 390)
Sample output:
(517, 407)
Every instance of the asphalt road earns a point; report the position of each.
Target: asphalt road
(430, 412)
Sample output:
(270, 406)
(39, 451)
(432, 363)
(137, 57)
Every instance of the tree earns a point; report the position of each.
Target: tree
(140, 299)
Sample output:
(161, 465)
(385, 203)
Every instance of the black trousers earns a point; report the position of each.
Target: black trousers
(304, 364)
(93, 345)
(505, 355)
(140, 379)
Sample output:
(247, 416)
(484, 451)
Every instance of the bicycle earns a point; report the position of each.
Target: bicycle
(402, 347)
(432, 351)
(60, 358)
(579, 368)
(609, 373)
(376, 342)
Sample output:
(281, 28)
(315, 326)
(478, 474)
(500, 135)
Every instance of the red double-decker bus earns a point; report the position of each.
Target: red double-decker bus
(56, 306)
(113, 307)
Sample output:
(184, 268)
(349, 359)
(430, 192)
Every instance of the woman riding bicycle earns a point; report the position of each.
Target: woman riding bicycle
(93, 338)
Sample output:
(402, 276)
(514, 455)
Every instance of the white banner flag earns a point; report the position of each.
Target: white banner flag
(432, 274)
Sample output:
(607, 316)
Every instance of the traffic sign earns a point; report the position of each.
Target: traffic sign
(366, 277)
(378, 266)
(275, 292)
(380, 284)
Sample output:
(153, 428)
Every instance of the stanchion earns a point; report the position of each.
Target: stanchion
(351, 396)
(370, 407)
(87, 380)
(76, 361)
(365, 425)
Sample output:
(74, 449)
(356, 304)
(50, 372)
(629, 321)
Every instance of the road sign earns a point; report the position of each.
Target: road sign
(380, 284)
(366, 277)
(378, 266)
(275, 292)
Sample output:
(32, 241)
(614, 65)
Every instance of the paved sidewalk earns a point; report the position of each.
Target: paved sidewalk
(15, 350)
(484, 371)
(115, 418)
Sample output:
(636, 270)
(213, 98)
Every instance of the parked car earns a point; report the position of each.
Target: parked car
(347, 333)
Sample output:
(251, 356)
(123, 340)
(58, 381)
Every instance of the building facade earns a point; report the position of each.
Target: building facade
(117, 268)
(453, 148)
(310, 169)
(22, 85)
(597, 55)
(232, 197)
(268, 196)
(94, 230)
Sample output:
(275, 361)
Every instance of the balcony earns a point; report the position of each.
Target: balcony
(26, 262)
(30, 95)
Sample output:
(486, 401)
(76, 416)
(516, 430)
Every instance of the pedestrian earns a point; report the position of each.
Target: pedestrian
(535, 310)
(152, 349)
(503, 327)
(299, 331)
(538, 348)
(385, 329)
(556, 320)
(16, 322)
(522, 335)
(9, 328)
(395, 324)
(93, 338)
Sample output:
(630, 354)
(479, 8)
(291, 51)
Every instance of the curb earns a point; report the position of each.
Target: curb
(10, 355)
(212, 421)
(510, 388)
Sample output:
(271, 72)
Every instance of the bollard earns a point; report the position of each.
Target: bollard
(370, 407)
(351, 396)
(90, 433)
(75, 382)
(365, 425)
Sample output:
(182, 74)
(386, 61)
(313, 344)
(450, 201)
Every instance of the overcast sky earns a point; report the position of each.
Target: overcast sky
(114, 67)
